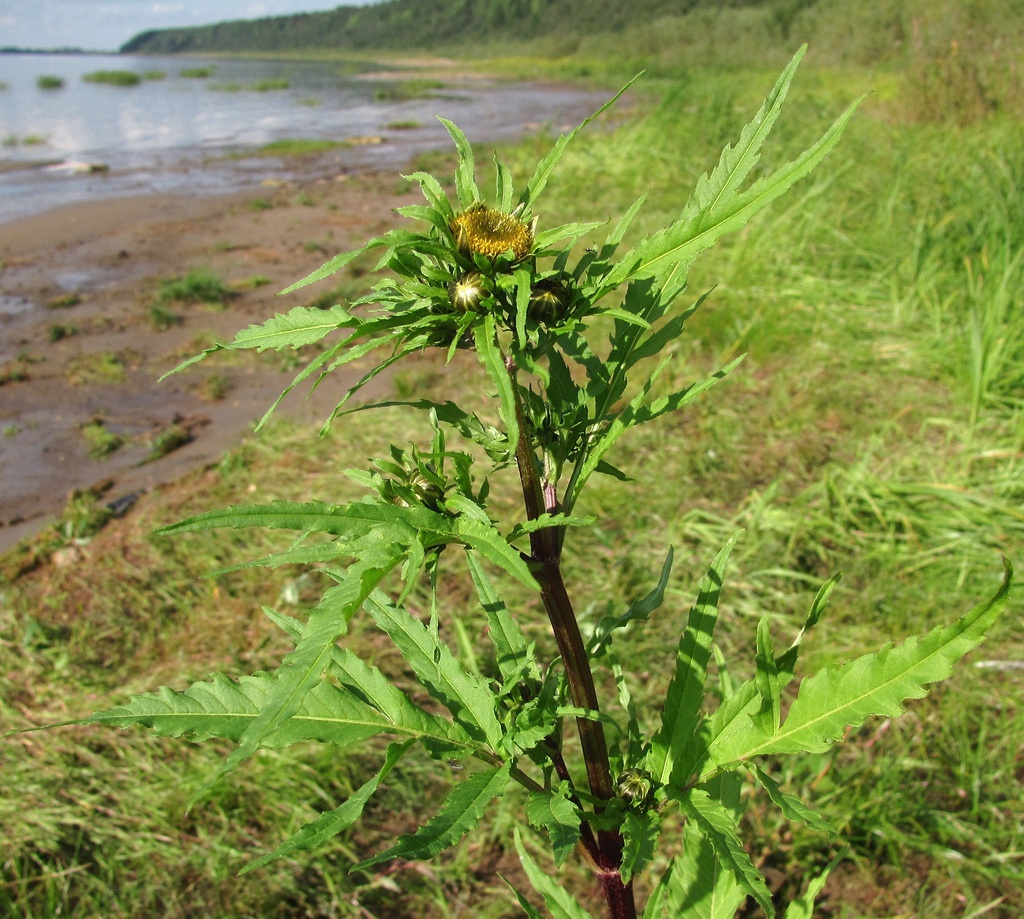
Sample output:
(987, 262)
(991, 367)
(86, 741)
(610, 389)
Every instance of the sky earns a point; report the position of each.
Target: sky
(105, 25)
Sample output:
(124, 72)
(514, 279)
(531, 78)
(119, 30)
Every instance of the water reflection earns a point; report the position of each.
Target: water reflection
(141, 131)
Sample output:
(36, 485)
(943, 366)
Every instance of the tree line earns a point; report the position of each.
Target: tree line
(418, 24)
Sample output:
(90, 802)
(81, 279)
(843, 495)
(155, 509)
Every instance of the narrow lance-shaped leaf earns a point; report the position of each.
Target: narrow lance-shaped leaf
(803, 906)
(737, 160)
(295, 329)
(461, 811)
(494, 363)
(330, 823)
(547, 165)
(335, 264)
(432, 191)
(438, 734)
(792, 808)
(351, 520)
(512, 652)
(878, 684)
(639, 610)
(767, 678)
(786, 663)
(718, 207)
(465, 181)
(488, 541)
(658, 900)
(686, 689)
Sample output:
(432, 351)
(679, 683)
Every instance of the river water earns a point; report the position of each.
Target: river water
(178, 133)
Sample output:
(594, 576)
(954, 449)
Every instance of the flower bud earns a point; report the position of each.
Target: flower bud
(549, 299)
(636, 788)
(467, 292)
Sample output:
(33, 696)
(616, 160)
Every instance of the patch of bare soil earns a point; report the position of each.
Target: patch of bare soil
(82, 347)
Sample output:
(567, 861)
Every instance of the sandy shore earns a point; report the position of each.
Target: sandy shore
(76, 291)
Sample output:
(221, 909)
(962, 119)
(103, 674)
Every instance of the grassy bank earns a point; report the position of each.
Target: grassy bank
(874, 428)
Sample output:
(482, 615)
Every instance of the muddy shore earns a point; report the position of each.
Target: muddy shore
(79, 343)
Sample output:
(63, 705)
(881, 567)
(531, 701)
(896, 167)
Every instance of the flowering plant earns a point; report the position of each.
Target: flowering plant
(565, 338)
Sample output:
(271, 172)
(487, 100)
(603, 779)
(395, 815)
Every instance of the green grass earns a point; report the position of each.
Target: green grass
(196, 73)
(299, 147)
(102, 442)
(167, 440)
(64, 301)
(59, 331)
(404, 90)
(48, 81)
(113, 77)
(875, 427)
(199, 286)
(101, 367)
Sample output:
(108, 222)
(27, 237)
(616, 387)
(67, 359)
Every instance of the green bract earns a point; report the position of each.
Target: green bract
(572, 342)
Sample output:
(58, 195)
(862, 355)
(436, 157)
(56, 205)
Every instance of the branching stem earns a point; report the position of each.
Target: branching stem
(539, 498)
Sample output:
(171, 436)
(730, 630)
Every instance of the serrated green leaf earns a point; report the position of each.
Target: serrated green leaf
(675, 401)
(461, 811)
(300, 555)
(679, 721)
(716, 824)
(465, 695)
(225, 708)
(727, 733)
(566, 231)
(330, 823)
(640, 834)
(717, 206)
(878, 684)
(432, 191)
(561, 903)
(335, 264)
(544, 521)
(553, 812)
(438, 734)
(301, 326)
(502, 185)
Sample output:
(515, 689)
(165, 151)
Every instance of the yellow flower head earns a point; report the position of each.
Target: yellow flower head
(486, 231)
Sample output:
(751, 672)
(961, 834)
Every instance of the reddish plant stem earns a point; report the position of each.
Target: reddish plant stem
(545, 553)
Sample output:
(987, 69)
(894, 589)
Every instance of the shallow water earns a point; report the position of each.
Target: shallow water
(180, 134)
